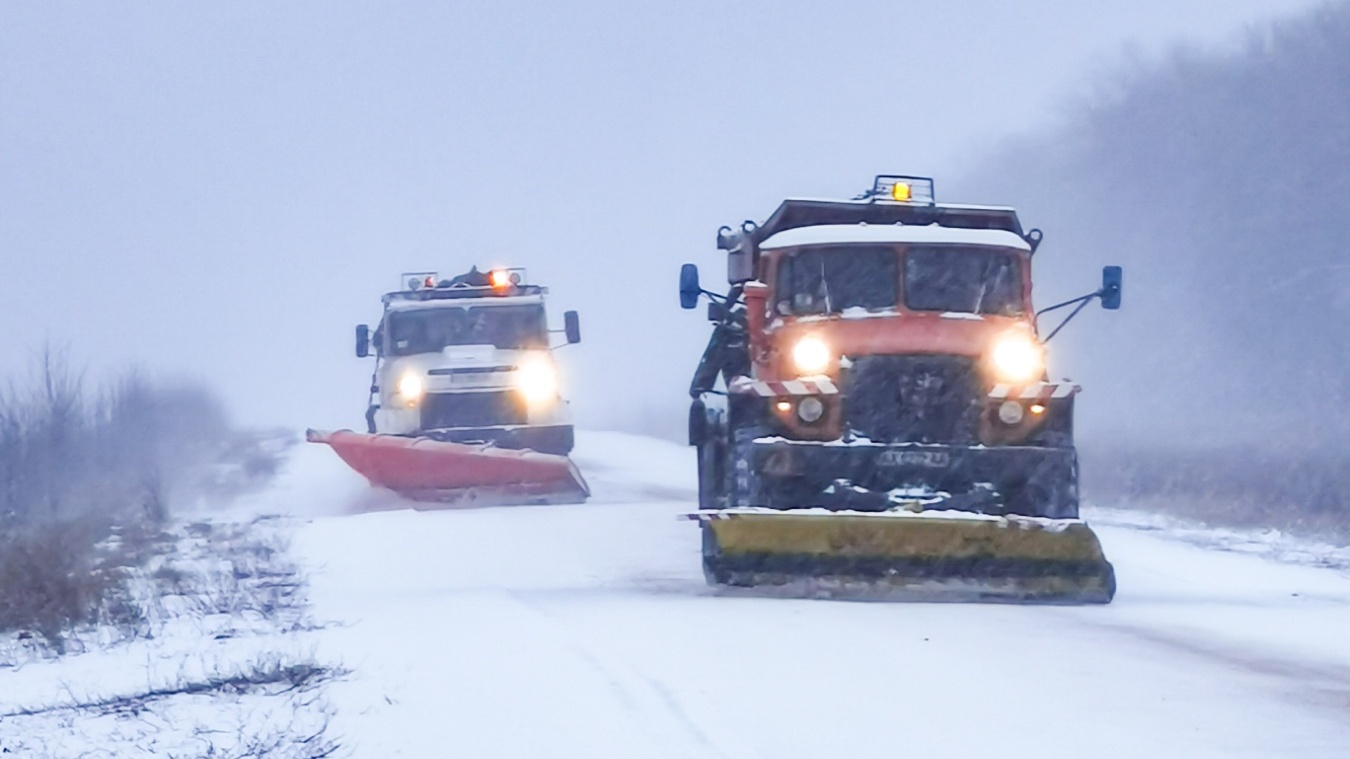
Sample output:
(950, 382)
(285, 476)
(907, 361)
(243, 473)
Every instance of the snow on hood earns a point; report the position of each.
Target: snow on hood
(852, 312)
(825, 234)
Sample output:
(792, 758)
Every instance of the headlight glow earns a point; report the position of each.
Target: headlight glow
(411, 387)
(1018, 358)
(537, 380)
(811, 356)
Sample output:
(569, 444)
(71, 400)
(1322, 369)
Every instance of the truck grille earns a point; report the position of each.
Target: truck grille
(914, 399)
(442, 410)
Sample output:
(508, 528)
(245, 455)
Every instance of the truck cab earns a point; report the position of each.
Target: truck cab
(949, 309)
(468, 359)
(874, 349)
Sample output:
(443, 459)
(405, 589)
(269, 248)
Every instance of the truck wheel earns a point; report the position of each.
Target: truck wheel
(711, 474)
(1055, 499)
(711, 554)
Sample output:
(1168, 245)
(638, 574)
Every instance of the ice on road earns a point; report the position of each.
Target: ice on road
(587, 631)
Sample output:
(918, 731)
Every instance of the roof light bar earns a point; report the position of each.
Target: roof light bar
(903, 189)
(418, 280)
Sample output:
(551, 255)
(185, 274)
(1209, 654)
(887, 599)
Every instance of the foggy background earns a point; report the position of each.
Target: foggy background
(1221, 180)
(223, 191)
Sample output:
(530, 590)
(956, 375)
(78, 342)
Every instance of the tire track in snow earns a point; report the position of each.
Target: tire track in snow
(1325, 685)
(677, 733)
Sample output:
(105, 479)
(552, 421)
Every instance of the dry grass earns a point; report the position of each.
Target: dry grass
(295, 721)
(60, 575)
(224, 604)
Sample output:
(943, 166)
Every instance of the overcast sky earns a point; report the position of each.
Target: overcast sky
(222, 190)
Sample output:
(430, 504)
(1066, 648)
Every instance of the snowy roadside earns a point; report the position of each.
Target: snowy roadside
(213, 656)
(1270, 543)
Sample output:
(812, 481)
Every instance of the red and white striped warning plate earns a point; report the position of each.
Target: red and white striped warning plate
(803, 386)
(1040, 391)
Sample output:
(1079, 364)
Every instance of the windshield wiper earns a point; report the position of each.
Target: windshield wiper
(825, 285)
(984, 284)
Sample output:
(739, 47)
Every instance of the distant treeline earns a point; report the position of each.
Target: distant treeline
(1221, 180)
(68, 450)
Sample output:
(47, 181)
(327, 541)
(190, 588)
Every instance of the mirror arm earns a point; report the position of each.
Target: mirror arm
(733, 295)
(729, 300)
(373, 399)
(1082, 300)
(1082, 303)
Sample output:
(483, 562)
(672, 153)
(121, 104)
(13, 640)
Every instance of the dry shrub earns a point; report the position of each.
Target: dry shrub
(59, 575)
(84, 477)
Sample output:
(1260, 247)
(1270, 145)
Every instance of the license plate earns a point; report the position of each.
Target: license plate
(929, 459)
(443, 382)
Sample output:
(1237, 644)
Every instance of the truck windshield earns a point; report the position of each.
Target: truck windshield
(963, 279)
(428, 330)
(828, 280)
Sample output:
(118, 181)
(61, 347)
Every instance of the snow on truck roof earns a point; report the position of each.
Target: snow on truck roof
(795, 213)
(825, 234)
(481, 300)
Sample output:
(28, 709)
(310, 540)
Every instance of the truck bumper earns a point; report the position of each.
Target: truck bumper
(556, 439)
(786, 474)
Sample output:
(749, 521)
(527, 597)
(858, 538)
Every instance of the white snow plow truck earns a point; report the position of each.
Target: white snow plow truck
(873, 414)
(464, 405)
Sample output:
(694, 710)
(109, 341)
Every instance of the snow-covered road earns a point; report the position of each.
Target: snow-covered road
(587, 631)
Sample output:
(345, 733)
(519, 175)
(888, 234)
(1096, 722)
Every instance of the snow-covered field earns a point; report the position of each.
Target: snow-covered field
(587, 631)
(217, 663)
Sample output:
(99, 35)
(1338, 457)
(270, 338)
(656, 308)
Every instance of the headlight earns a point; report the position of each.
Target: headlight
(811, 355)
(537, 380)
(411, 387)
(1018, 358)
(810, 409)
(1010, 412)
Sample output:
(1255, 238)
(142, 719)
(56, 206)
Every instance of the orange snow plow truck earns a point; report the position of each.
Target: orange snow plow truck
(873, 415)
(464, 405)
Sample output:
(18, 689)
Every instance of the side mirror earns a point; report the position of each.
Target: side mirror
(572, 327)
(1112, 277)
(689, 289)
(362, 341)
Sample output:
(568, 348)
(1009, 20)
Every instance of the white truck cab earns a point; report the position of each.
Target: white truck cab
(468, 360)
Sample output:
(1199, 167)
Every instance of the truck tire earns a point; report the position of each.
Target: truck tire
(712, 473)
(1054, 495)
(711, 555)
(713, 467)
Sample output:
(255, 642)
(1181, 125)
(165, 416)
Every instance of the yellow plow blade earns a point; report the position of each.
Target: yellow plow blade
(937, 556)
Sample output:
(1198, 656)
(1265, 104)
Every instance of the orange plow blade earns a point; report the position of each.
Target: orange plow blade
(456, 474)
